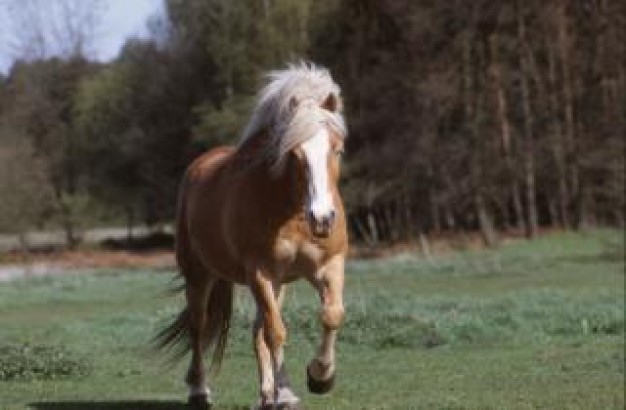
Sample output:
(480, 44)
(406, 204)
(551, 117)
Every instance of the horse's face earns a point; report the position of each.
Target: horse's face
(319, 159)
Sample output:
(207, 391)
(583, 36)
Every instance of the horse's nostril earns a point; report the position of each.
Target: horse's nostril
(326, 222)
(321, 222)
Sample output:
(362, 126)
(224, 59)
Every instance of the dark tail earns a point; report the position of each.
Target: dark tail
(175, 338)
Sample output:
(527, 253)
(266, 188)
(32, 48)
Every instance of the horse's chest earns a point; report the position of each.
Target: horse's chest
(299, 257)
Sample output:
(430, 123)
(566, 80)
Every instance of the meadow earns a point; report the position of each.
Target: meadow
(531, 325)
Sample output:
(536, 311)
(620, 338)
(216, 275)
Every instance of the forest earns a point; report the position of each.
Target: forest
(464, 116)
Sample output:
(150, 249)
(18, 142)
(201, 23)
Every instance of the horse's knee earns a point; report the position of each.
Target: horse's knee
(332, 316)
(276, 335)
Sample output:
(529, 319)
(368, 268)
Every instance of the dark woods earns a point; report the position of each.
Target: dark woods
(480, 115)
(463, 115)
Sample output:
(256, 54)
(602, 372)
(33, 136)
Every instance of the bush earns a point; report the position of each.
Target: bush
(41, 362)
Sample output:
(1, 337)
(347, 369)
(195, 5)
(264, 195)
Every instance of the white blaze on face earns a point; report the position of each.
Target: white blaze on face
(316, 149)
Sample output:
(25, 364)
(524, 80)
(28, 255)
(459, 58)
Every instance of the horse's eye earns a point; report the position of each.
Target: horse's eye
(339, 153)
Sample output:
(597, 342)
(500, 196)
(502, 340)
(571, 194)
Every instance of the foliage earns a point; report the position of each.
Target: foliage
(478, 114)
(36, 112)
(462, 115)
(222, 125)
(27, 363)
(24, 189)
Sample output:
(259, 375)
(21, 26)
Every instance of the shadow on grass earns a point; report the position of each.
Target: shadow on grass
(126, 405)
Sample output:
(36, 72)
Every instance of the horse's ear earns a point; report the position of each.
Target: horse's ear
(331, 103)
(293, 104)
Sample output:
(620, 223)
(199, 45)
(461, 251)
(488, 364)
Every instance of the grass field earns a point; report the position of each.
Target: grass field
(532, 325)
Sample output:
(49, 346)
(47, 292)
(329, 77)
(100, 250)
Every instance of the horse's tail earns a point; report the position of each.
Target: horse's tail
(219, 314)
(176, 337)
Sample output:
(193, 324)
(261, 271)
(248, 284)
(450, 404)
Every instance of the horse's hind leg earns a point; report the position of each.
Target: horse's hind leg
(197, 292)
(321, 370)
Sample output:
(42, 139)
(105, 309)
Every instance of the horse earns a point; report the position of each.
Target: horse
(262, 214)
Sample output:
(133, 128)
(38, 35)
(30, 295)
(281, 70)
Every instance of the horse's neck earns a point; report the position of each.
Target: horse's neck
(277, 193)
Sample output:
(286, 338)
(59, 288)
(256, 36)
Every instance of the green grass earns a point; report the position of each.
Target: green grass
(532, 325)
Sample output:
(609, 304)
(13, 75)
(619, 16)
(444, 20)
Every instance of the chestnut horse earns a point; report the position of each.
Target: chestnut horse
(263, 214)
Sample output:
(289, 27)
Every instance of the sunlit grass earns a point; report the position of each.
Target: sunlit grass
(531, 325)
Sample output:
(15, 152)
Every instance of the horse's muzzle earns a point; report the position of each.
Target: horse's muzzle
(321, 225)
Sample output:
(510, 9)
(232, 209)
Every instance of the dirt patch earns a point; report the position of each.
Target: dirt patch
(115, 259)
(14, 265)
(95, 259)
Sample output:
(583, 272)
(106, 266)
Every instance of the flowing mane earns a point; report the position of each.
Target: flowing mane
(292, 106)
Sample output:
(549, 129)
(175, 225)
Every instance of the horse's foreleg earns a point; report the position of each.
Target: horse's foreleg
(329, 283)
(197, 294)
(269, 335)
(264, 359)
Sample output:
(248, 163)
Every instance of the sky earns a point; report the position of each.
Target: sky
(121, 19)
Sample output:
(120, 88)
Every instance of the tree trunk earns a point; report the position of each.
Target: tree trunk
(485, 223)
(563, 44)
(367, 237)
(448, 217)
(67, 219)
(558, 144)
(432, 201)
(22, 237)
(584, 215)
(130, 223)
(517, 206)
(553, 213)
(505, 135)
(372, 227)
(434, 214)
(397, 218)
(532, 227)
(425, 248)
(392, 228)
(408, 217)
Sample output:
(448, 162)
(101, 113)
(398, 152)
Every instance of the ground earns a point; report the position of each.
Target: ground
(531, 325)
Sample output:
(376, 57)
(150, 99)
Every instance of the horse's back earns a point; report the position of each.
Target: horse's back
(206, 164)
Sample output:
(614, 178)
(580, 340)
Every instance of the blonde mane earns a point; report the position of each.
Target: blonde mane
(290, 108)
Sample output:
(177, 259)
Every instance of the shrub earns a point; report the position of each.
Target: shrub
(39, 362)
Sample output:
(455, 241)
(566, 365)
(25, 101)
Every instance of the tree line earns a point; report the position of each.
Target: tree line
(462, 115)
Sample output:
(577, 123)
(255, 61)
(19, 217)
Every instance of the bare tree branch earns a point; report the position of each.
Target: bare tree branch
(37, 29)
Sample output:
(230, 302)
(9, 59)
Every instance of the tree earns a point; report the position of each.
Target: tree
(133, 145)
(51, 41)
(24, 189)
(41, 95)
(237, 42)
(41, 29)
(478, 115)
(473, 116)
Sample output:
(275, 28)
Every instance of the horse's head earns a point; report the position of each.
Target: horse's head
(319, 161)
(299, 114)
(314, 132)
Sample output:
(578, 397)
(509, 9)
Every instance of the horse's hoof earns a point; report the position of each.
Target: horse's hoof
(319, 386)
(199, 402)
(290, 406)
(279, 406)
